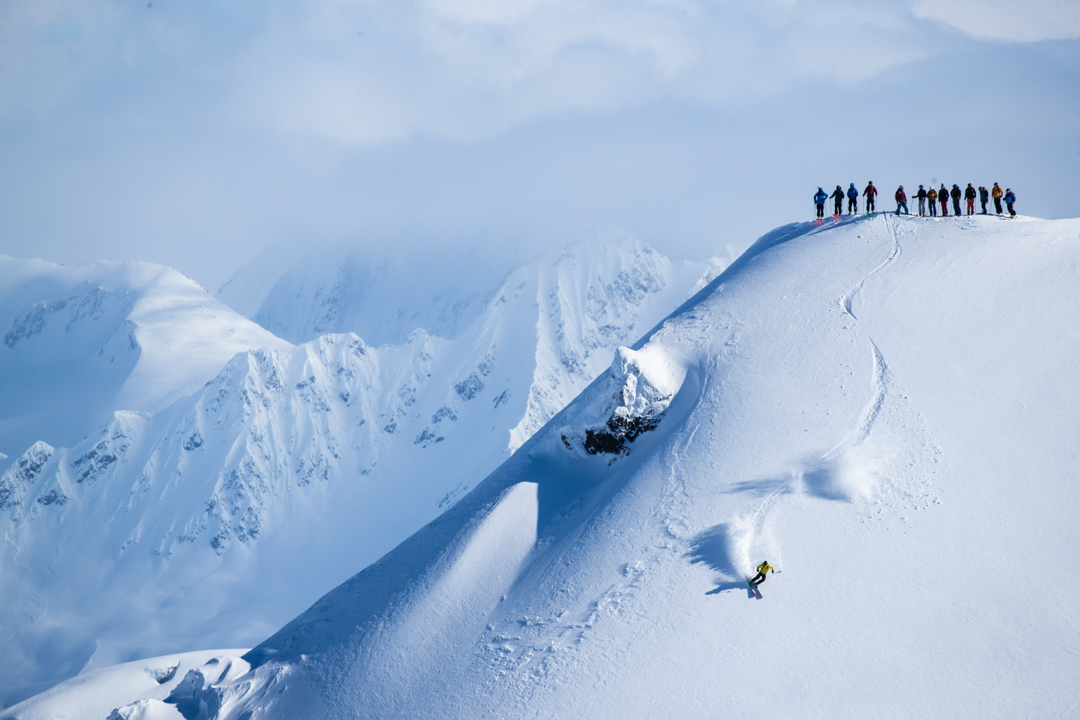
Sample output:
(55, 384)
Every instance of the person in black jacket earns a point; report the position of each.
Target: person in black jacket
(838, 200)
(943, 198)
(984, 197)
(922, 201)
(956, 199)
(969, 195)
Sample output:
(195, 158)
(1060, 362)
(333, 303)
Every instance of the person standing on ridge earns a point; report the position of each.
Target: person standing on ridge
(838, 201)
(943, 198)
(761, 570)
(819, 199)
(931, 195)
(901, 200)
(921, 195)
(869, 194)
(984, 196)
(956, 195)
(852, 200)
(1010, 198)
(996, 194)
(969, 195)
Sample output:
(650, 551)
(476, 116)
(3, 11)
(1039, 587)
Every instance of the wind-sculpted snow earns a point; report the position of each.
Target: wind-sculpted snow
(274, 480)
(907, 468)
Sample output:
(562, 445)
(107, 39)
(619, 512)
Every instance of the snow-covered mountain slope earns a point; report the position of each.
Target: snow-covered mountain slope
(131, 691)
(292, 467)
(886, 410)
(83, 341)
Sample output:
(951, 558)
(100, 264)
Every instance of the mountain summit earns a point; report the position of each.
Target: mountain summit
(885, 409)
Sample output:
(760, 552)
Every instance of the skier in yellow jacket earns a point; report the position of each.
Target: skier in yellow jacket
(761, 570)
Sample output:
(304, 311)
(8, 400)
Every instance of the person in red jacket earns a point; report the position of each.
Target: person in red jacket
(901, 200)
(869, 193)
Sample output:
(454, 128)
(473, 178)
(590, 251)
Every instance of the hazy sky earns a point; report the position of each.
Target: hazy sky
(197, 133)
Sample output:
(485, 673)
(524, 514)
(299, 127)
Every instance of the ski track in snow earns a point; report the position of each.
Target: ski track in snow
(847, 298)
(746, 534)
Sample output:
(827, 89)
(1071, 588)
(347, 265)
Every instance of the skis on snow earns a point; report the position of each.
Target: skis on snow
(753, 589)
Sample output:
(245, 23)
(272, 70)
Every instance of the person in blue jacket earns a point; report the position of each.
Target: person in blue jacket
(852, 200)
(819, 199)
(1010, 198)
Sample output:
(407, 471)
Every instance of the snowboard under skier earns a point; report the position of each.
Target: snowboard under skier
(761, 570)
(869, 193)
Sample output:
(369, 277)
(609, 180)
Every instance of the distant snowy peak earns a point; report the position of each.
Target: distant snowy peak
(288, 466)
(602, 291)
(380, 293)
(104, 337)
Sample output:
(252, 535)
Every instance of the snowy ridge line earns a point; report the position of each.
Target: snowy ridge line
(335, 445)
(595, 619)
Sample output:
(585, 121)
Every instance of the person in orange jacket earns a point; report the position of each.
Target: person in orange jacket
(997, 193)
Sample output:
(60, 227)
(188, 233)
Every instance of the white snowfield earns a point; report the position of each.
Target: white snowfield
(886, 409)
(211, 522)
(82, 342)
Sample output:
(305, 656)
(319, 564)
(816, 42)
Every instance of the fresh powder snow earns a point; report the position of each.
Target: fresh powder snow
(883, 408)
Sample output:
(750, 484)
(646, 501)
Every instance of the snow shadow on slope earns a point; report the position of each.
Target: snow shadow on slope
(847, 477)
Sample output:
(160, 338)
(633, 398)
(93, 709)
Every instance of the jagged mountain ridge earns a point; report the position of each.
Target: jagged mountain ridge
(880, 407)
(81, 342)
(333, 449)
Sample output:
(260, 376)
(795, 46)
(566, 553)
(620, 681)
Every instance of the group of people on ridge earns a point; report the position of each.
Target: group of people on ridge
(923, 195)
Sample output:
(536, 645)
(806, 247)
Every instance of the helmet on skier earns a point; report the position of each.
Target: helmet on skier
(852, 184)
(901, 187)
(920, 187)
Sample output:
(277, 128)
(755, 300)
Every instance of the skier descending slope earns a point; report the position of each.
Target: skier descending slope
(763, 568)
(819, 199)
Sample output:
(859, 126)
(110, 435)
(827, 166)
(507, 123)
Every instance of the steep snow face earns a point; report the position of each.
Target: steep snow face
(81, 342)
(884, 408)
(293, 466)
